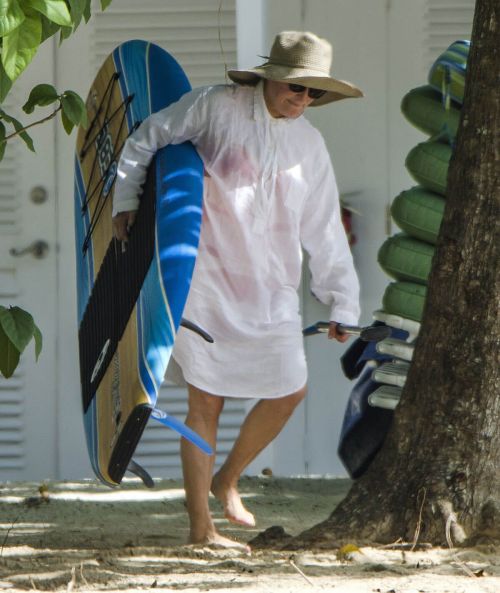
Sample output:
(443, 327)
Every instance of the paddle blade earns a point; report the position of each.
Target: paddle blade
(375, 333)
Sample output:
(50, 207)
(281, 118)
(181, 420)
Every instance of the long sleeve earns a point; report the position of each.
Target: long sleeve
(334, 280)
(184, 120)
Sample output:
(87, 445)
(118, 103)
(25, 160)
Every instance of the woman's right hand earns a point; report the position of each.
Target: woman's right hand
(122, 223)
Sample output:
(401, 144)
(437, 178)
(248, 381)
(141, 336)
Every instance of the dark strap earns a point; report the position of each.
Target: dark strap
(197, 330)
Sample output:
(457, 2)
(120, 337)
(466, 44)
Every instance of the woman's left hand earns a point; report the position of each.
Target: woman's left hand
(334, 334)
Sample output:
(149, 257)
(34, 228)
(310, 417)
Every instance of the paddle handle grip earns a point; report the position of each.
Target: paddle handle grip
(373, 333)
(322, 327)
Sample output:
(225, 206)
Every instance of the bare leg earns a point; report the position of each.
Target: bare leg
(197, 467)
(264, 422)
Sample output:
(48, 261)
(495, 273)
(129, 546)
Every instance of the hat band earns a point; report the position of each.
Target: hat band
(301, 66)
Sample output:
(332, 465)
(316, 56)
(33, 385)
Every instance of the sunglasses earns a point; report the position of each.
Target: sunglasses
(312, 93)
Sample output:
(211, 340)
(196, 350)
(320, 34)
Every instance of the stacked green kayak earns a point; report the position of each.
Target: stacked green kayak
(425, 109)
(435, 110)
(428, 164)
(419, 212)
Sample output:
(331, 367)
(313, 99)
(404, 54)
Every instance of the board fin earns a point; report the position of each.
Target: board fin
(182, 429)
(136, 469)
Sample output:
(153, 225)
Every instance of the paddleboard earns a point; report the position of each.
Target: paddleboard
(130, 301)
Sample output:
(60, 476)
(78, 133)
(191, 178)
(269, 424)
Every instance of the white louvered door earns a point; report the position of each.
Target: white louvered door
(446, 21)
(191, 30)
(27, 214)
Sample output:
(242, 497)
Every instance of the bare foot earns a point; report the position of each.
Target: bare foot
(234, 509)
(217, 540)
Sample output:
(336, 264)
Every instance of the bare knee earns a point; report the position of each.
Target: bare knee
(287, 404)
(203, 404)
(294, 399)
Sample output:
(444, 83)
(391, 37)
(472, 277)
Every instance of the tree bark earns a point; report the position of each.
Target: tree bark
(437, 477)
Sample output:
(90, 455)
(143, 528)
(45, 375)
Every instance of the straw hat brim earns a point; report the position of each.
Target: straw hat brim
(335, 89)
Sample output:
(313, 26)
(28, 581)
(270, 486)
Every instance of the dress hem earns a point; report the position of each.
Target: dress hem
(273, 395)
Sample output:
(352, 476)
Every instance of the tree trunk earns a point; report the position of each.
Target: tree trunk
(437, 477)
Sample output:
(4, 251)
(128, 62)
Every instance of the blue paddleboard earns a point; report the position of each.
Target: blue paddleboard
(130, 302)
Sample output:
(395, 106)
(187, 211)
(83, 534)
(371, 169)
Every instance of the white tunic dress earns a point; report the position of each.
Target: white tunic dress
(269, 190)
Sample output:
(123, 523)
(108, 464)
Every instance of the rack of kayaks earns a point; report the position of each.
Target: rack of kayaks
(407, 256)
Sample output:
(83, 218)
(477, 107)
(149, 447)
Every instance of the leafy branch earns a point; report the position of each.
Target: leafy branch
(24, 26)
(71, 107)
(20, 130)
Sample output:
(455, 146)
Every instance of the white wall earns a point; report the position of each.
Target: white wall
(250, 31)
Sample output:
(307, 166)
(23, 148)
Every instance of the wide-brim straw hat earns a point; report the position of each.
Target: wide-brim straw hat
(300, 58)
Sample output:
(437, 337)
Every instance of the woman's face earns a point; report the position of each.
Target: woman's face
(282, 102)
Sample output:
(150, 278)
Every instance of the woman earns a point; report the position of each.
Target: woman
(269, 191)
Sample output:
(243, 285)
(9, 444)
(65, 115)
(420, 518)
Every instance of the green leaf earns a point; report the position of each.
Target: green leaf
(65, 33)
(9, 355)
(74, 108)
(11, 16)
(55, 10)
(27, 139)
(77, 8)
(67, 124)
(105, 4)
(18, 126)
(20, 46)
(18, 325)
(37, 335)
(5, 83)
(42, 95)
(3, 143)
(48, 28)
(87, 12)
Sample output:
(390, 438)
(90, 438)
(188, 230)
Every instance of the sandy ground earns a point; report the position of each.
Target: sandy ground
(85, 537)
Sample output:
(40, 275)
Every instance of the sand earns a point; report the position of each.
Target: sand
(82, 536)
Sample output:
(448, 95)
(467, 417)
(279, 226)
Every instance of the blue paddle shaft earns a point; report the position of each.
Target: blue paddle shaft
(183, 430)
